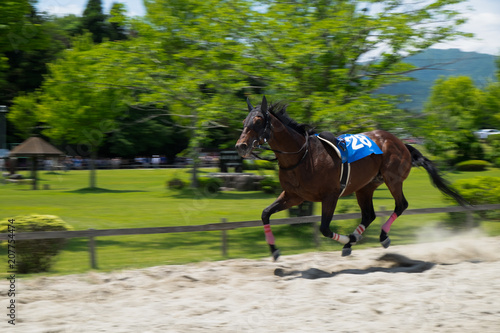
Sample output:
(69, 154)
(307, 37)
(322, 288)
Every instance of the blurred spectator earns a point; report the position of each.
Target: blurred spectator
(48, 164)
(12, 165)
(116, 162)
(67, 163)
(78, 163)
(155, 161)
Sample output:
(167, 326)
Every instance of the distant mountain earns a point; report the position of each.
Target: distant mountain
(451, 62)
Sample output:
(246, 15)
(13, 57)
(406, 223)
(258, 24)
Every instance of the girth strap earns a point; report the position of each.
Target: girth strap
(345, 171)
(345, 168)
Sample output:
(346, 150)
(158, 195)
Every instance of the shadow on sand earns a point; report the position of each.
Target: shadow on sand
(401, 264)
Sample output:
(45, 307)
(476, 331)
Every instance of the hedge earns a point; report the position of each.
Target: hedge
(473, 165)
(210, 184)
(37, 255)
(477, 191)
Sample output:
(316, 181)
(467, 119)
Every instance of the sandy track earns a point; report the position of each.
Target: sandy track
(451, 286)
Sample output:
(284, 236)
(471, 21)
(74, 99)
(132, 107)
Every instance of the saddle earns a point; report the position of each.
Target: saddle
(339, 147)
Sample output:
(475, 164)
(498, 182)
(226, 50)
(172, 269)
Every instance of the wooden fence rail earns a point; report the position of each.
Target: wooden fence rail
(223, 226)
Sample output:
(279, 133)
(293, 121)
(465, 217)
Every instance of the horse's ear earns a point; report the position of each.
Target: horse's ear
(250, 107)
(263, 105)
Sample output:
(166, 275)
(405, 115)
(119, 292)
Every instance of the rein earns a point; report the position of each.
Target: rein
(304, 146)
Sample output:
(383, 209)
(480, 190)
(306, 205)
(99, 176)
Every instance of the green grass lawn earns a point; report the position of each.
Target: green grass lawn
(139, 198)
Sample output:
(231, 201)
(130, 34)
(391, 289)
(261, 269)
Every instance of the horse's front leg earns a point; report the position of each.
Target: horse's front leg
(284, 201)
(327, 209)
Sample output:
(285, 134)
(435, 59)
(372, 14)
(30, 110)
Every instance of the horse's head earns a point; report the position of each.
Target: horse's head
(256, 128)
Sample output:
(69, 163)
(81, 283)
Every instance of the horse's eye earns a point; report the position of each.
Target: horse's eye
(258, 121)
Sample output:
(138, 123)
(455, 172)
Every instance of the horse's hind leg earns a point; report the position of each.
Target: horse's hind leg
(396, 189)
(365, 202)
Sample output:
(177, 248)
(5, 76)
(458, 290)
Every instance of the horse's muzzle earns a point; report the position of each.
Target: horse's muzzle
(243, 149)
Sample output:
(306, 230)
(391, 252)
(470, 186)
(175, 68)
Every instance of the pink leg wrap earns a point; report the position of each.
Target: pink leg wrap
(387, 225)
(269, 234)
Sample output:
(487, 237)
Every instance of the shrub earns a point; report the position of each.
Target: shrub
(259, 165)
(33, 256)
(477, 191)
(210, 184)
(493, 139)
(472, 165)
(494, 151)
(176, 184)
(468, 147)
(266, 165)
(249, 165)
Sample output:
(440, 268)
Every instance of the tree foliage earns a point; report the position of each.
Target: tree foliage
(27, 42)
(453, 112)
(191, 63)
(490, 108)
(74, 103)
(318, 53)
(94, 20)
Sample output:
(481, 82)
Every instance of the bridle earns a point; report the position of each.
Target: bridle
(264, 137)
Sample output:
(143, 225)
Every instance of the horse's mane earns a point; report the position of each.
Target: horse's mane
(279, 111)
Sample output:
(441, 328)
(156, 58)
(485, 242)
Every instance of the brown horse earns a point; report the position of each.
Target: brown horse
(309, 170)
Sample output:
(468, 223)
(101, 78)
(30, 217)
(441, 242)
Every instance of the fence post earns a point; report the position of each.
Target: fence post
(315, 226)
(469, 219)
(382, 218)
(224, 239)
(92, 252)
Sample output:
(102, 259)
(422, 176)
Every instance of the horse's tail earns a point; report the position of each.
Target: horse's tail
(417, 159)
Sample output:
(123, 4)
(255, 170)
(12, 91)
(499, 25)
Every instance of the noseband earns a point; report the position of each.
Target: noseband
(266, 133)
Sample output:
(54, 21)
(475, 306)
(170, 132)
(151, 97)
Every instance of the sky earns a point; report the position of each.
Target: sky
(484, 20)
(63, 7)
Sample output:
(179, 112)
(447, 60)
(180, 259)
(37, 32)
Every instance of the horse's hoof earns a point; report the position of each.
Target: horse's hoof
(346, 251)
(386, 242)
(276, 254)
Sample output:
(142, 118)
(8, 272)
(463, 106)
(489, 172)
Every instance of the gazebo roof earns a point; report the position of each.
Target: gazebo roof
(35, 146)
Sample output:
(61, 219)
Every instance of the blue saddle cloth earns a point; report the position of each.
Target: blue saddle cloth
(354, 147)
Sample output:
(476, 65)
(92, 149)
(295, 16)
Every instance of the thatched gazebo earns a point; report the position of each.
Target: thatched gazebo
(34, 148)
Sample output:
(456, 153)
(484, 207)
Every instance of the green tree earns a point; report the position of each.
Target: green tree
(328, 56)
(140, 135)
(490, 107)
(94, 21)
(194, 61)
(25, 42)
(77, 103)
(68, 25)
(453, 112)
(117, 22)
(28, 40)
(12, 22)
(194, 52)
